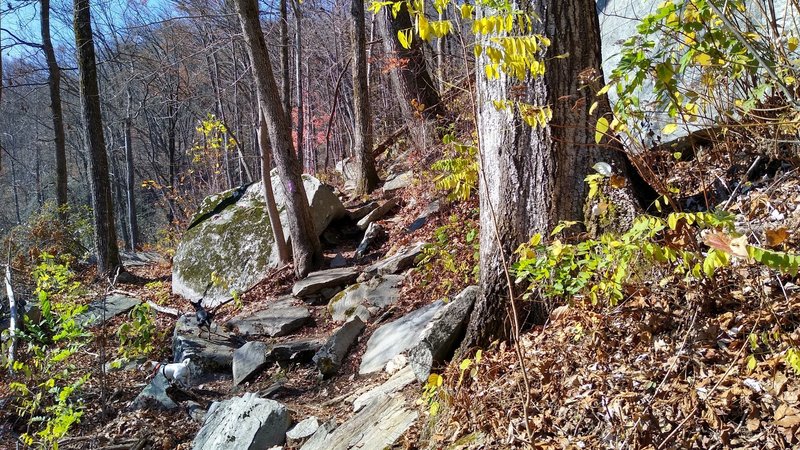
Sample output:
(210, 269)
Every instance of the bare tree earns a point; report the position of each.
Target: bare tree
(367, 177)
(306, 248)
(105, 236)
(54, 83)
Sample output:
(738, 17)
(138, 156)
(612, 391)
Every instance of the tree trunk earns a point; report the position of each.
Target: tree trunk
(532, 178)
(366, 175)
(305, 242)
(269, 196)
(416, 93)
(286, 82)
(105, 236)
(54, 83)
(298, 73)
(130, 186)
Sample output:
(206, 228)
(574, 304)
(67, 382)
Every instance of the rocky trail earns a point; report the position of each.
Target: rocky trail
(331, 361)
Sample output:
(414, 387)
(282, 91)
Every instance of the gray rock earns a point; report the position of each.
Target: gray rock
(124, 364)
(338, 261)
(279, 319)
(138, 259)
(395, 383)
(396, 337)
(317, 440)
(358, 299)
(329, 358)
(349, 171)
(441, 335)
(374, 231)
(214, 354)
(248, 360)
(377, 426)
(243, 423)
(98, 310)
(298, 350)
(377, 213)
(231, 237)
(359, 213)
(154, 395)
(398, 262)
(317, 281)
(196, 411)
(422, 219)
(303, 429)
(400, 181)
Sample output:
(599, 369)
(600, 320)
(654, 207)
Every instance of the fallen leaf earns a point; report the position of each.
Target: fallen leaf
(776, 237)
(788, 421)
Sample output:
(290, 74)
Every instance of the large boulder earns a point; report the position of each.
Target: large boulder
(243, 423)
(361, 299)
(279, 319)
(106, 309)
(211, 352)
(229, 239)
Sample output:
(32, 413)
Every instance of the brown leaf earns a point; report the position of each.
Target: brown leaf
(617, 182)
(559, 313)
(753, 424)
(776, 237)
(788, 421)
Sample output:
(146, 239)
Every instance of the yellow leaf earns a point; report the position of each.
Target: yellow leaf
(600, 129)
(670, 128)
(404, 36)
(792, 43)
(593, 107)
(702, 59)
(466, 11)
(423, 27)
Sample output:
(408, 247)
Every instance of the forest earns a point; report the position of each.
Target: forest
(450, 224)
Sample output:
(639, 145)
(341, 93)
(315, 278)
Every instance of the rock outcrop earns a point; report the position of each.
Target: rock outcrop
(229, 245)
(243, 423)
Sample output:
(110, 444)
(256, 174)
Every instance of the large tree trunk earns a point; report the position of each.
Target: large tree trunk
(105, 236)
(367, 177)
(130, 187)
(531, 178)
(305, 242)
(54, 83)
(415, 90)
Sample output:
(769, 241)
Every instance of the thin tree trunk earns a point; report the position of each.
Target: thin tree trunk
(105, 236)
(298, 72)
(269, 196)
(130, 186)
(54, 83)
(366, 175)
(286, 81)
(415, 91)
(14, 183)
(305, 241)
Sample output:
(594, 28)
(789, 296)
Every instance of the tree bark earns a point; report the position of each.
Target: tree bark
(54, 83)
(532, 178)
(305, 242)
(130, 186)
(105, 236)
(415, 90)
(269, 195)
(298, 73)
(286, 82)
(366, 175)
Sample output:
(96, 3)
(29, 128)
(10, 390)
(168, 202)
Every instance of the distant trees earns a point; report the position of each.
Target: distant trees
(105, 236)
(307, 251)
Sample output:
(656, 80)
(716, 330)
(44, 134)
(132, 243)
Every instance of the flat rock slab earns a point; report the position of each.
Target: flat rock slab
(396, 337)
(395, 383)
(377, 426)
(377, 213)
(243, 423)
(398, 262)
(154, 395)
(299, 350)
(211, 354)
(279, 319)
(138, 259)
(113, 306)
(358, 213)
(400, 181)
(358, 299)
(442, 333)
(248, 360)
(303, 429)
(317, 281)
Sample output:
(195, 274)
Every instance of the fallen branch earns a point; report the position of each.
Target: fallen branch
(12, 325)
(164, 310)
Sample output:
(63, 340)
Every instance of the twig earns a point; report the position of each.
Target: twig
(744, 178)
(164, 310)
